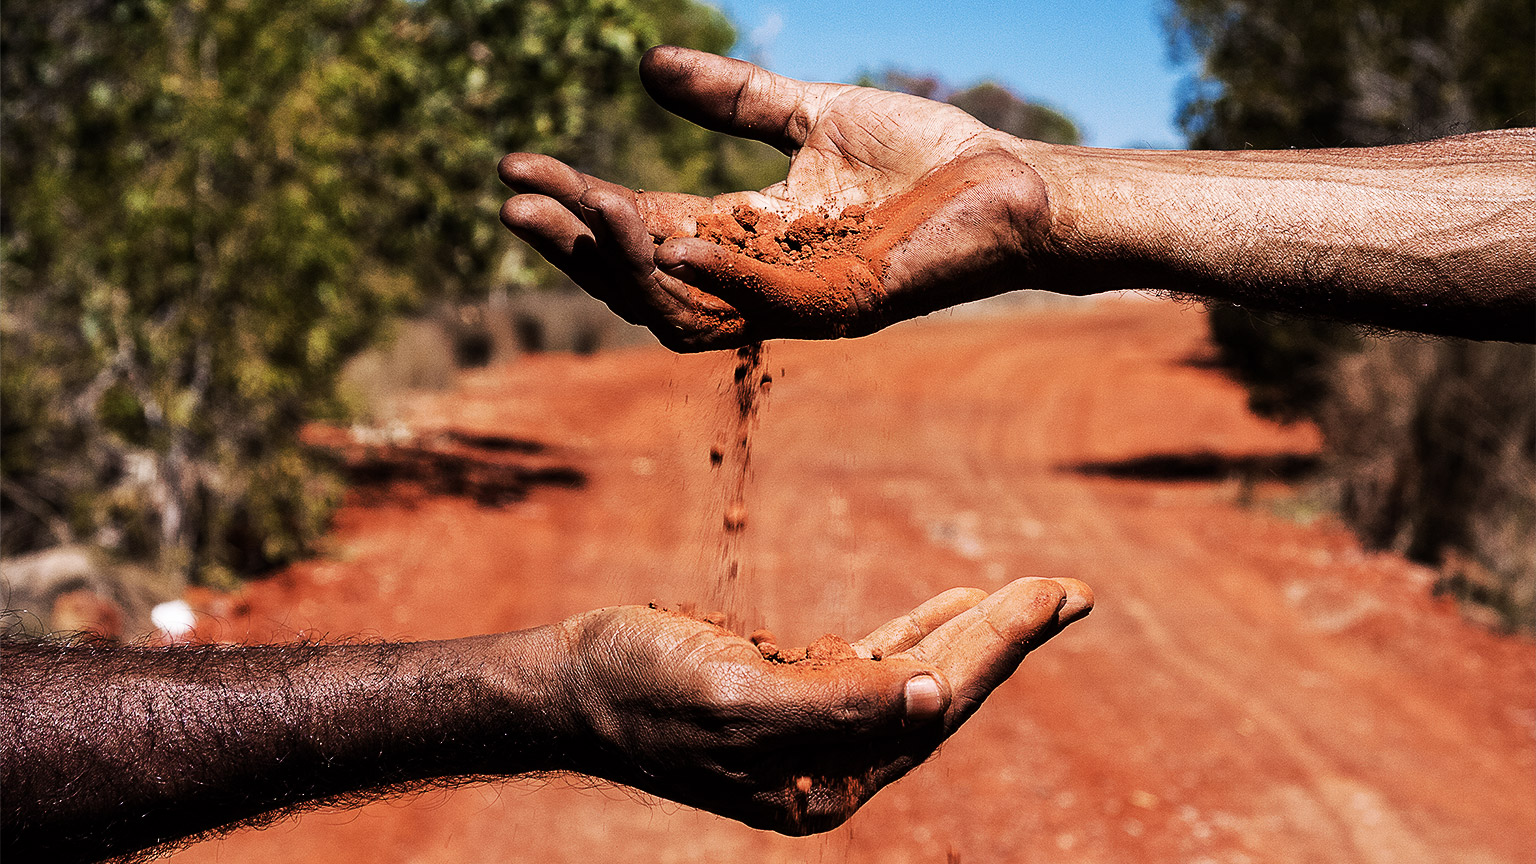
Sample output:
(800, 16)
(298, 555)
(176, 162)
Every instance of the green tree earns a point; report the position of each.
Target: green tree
(210, 205)
(184, 264)
(1318, 73)
(989, 102)
(997, 106)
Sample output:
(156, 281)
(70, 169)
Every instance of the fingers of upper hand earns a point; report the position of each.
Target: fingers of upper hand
(613, 215)
(828, 299)
(544, 175)
(733, 96)
(548, 227)
(594, 232)
(561, 238)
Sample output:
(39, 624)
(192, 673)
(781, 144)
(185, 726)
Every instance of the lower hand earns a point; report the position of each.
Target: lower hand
(689, 711)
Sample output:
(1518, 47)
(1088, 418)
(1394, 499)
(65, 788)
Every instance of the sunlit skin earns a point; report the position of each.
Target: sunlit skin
(1436, 237)
(851, 145)
(109, 750)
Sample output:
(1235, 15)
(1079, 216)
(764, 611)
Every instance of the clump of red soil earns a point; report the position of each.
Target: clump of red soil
(825, 650)
(830, 647)
(765, 235)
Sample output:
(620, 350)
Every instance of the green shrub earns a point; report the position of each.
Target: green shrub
(210, 206)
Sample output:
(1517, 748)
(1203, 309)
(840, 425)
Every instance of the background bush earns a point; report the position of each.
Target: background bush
(211, 205)
(1430, 444)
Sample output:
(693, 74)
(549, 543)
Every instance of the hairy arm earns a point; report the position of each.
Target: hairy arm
(1438, 237)
(109, 750)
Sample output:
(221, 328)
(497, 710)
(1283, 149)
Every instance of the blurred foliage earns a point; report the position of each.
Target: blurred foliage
(210, 205)
(989, 102)
(1430, 443)
(1339, 73)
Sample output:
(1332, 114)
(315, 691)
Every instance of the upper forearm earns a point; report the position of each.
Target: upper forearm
(129, 754)
(1436, 237)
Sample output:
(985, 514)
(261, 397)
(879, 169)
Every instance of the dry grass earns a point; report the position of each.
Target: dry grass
(1431, 449)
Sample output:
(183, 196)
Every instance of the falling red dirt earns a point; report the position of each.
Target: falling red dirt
(1251, 686)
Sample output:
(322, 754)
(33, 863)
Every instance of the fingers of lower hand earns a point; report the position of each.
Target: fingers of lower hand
(978, 649)
(903, 632)
(1079, 600)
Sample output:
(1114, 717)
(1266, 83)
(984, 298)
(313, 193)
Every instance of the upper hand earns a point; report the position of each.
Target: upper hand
(689, 711)
(954, 211)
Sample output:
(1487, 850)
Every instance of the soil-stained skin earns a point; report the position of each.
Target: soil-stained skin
(824, 274)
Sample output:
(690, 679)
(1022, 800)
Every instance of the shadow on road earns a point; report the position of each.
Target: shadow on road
(1202, 466)
(490, 469)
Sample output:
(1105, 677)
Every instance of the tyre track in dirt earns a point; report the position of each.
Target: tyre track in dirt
(1202, 649)
(1248, 689)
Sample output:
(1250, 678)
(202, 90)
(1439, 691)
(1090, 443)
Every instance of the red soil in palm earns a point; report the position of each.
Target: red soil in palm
(764, 235)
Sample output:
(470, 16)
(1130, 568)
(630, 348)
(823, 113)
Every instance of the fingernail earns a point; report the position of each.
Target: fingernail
(1079, 600)
(924, 700)
(669, 257)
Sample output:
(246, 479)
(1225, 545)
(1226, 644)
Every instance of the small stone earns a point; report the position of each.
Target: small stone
(735, 517)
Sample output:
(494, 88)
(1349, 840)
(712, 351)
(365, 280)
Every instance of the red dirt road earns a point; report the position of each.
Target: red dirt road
(1249, 688)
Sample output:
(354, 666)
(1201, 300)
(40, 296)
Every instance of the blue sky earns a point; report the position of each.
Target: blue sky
(1104, 63)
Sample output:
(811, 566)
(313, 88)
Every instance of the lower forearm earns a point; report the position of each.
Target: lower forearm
(107, 755)
(1437, 237)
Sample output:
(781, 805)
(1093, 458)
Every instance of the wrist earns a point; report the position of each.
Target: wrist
(526, 718)
(1063, 249)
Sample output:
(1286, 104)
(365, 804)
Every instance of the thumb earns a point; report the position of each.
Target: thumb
(866, 696)
(924, 699)
(728, 95)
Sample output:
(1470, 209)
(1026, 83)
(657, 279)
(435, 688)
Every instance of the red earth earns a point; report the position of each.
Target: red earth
(1252, 686)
